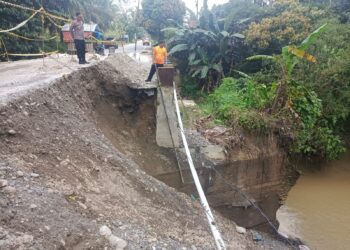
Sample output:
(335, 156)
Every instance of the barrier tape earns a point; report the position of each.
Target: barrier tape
(31, 55)
(17, 6)
(30, 39)
(33, 10)
(3, 44)
(22, 23)
(56, 17)
(53, 22)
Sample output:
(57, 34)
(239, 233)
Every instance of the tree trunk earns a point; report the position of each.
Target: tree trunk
(281, 98)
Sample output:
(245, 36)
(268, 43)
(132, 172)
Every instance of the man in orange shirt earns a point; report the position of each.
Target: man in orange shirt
(159, 57)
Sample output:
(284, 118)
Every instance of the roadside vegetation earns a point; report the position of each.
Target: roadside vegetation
(282, 68)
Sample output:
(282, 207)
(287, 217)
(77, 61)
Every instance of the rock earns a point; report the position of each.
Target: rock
(27, 238)
(3, 183)
(151, 240)
(82, 205)
(34, 175)
(303, 247)
(10, 190)
(65, 162)
(3, 203)
(20, 174)
(2, 236)
(11, 132)
(33, 206)
(63, 243)
(105, 231)
(257, 237)
(241, 230)
(114, 241)
(117, 242)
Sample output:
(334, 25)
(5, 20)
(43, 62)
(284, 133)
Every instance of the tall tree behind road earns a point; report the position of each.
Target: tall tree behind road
(156, 13)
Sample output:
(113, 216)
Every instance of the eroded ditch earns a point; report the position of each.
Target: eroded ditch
(128, 119)
(88, 137)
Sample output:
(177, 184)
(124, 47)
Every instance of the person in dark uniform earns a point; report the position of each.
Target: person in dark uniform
(77, 31)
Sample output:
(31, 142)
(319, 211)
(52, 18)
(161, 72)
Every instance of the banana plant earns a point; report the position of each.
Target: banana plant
(289, 58)
(201, 54)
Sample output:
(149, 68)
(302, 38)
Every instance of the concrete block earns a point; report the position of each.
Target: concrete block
(163, 134)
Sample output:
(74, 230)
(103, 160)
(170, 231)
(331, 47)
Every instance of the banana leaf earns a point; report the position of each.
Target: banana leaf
(261, 57)
(178, 48)
(312, 37)
(204, 72)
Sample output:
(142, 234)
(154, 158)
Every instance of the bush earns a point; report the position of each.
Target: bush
(238, 101)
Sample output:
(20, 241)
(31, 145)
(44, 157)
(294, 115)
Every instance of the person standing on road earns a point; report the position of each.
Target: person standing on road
(159, 58)
(77, 31)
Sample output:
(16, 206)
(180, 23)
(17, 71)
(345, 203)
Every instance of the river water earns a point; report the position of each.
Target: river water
(317, 209)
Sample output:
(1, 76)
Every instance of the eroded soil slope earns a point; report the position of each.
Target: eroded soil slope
(63, 179)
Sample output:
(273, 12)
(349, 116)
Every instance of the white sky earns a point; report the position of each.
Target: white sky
(191, 4)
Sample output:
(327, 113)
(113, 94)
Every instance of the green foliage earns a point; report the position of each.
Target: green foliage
(202, 54)
(125, 23)
(239, 100)
(98, 11)
(314, 136)
(306, 104)
(158, 14)
(319, 141)
(329, 78)
(288, 22)
(312, 38)
(189, 88)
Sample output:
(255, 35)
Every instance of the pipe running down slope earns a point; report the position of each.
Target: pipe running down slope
(213, 226)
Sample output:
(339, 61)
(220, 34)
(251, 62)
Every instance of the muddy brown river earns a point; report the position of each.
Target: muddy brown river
(317, 209)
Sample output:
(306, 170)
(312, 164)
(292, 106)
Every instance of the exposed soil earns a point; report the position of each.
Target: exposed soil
(82, 144)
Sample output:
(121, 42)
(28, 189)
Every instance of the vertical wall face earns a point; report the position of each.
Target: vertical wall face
(257, 169)
(260, 179)
(166, 117)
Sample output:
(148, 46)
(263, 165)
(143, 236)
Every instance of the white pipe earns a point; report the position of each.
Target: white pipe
(216, 234)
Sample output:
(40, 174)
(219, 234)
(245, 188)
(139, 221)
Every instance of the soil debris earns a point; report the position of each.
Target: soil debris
(87, 182)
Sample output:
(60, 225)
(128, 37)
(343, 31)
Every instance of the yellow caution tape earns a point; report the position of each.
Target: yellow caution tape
(17, 6)
(33, 10)
(30, 55)
(30, 39)
(56, 17)
(22, 23)
(54, 23)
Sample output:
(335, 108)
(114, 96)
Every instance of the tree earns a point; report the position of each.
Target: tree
(98, 11)
(157, 13)
(288, 23)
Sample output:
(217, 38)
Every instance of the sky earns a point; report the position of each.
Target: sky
(191, 4)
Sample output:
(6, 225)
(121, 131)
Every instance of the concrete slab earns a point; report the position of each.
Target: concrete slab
(163, 133)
